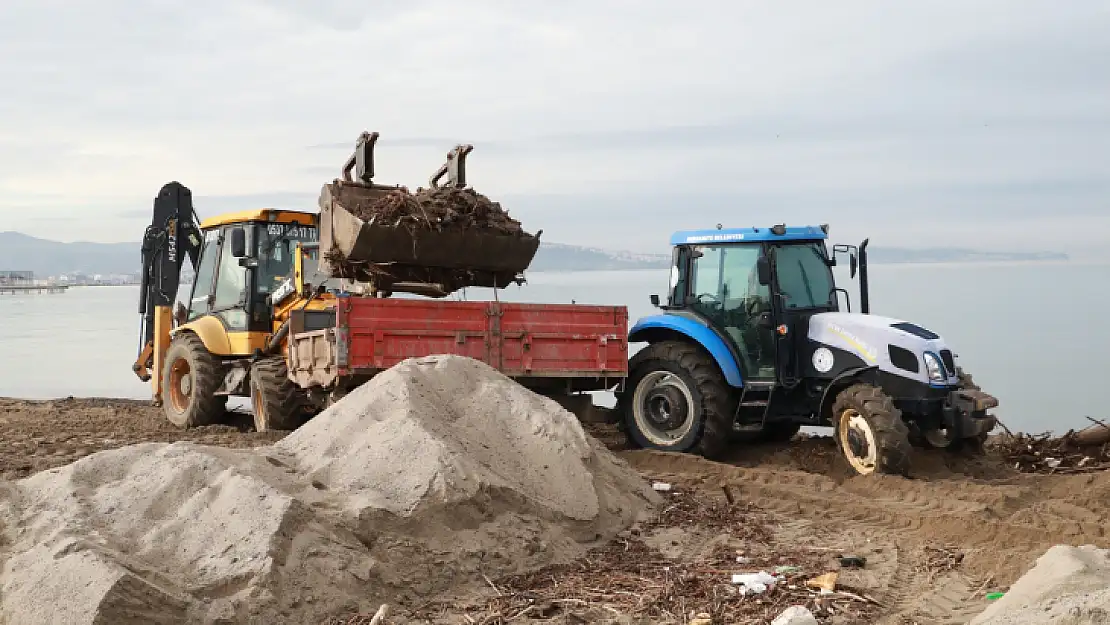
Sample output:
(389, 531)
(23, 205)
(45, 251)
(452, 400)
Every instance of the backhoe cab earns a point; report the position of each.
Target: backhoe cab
(752, 343)
(222, 345)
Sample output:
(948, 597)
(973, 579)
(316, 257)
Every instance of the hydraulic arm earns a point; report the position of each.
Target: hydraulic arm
(172, 236)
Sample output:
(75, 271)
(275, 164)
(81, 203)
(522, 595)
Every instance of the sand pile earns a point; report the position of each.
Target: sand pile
(437, 472)
(1068, 586)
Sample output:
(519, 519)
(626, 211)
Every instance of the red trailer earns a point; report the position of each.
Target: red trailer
(555, 349)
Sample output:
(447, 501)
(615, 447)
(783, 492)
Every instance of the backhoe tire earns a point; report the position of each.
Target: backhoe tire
(276, 400)
(676, 399)
(190, 379)
(870, 431)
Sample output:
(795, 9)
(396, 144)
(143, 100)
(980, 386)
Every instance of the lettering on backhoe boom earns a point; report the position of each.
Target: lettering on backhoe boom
(171, 250)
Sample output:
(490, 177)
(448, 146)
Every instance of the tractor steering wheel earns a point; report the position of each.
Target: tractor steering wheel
(709, 298)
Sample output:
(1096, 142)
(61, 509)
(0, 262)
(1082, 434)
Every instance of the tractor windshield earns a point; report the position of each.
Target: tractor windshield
(804, 277)
(276, 245)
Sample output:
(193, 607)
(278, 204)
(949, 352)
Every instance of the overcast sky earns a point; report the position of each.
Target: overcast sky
(603, 122)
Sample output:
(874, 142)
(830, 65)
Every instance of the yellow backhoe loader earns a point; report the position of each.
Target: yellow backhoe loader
(257, 273)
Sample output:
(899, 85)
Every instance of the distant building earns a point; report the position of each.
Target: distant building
(17, 277)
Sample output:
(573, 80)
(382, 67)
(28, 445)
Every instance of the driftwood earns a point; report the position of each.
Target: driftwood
(1098, 433)
(1082, 451)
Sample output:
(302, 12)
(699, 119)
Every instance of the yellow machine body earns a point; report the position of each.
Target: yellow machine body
(220, 338)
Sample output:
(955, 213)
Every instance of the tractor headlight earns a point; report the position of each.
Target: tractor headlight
(934, 368)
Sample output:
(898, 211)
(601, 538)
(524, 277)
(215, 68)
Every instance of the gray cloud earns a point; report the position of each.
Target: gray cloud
(600, 122)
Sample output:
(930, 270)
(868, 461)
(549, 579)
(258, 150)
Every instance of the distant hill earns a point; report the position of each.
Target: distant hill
(559, 257)
(51, 258)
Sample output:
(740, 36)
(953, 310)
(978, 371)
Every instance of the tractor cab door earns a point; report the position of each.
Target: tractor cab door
(803, 286)
(725, 290)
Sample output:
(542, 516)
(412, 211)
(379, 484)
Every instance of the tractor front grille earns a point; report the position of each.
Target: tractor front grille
(949, 362)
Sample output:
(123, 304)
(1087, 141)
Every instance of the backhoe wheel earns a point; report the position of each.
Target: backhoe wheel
(190, 380)
(870, 432)
(676, 400)
(276, 400)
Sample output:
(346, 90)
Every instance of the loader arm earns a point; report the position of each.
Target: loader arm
(172, 236)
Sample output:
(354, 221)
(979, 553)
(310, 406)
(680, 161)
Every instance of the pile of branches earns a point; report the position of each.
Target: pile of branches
(941, 559)
(440, 209)
(1082, 451)
(630, 579)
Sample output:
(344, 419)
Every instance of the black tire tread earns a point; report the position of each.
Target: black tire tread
(710, 385)
(891, 432)
(207, 408)
(283, 402)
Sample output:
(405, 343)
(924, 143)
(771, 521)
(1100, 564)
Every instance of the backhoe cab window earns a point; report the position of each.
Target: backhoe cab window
(804, 278)
(276, 245)
(202, 281)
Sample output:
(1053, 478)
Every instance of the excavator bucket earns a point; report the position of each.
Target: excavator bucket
(433, 242)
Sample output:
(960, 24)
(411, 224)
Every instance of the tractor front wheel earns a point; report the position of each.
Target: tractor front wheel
(676, 400)
(190, 379)
(870, 431)
(276, 400)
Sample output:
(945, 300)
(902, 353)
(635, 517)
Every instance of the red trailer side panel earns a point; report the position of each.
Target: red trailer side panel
(521, 340)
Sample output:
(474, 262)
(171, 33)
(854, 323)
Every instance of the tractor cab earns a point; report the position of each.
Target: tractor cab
(755, 340)
(755, 288)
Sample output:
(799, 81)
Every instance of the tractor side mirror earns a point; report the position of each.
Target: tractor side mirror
(655, 300)
(238, 243)
(853, 265)
(763, 268)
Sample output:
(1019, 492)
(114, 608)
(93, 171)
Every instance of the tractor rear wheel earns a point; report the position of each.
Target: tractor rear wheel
(676, 400)
(870, 431)
(276, 400)
(190, 379)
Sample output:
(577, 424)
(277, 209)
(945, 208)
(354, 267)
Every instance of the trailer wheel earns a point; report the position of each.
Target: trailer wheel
(190, 379)
(870, 431)
(276, 400)
(675, 400)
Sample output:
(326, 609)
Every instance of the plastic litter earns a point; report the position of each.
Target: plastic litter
(661, 487)
(754, 583)
(995, 596)
(826, 583)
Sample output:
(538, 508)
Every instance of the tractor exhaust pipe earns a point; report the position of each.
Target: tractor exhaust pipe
(864, 295)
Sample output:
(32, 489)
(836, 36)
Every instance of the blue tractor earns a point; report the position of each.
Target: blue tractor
(752, 343)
